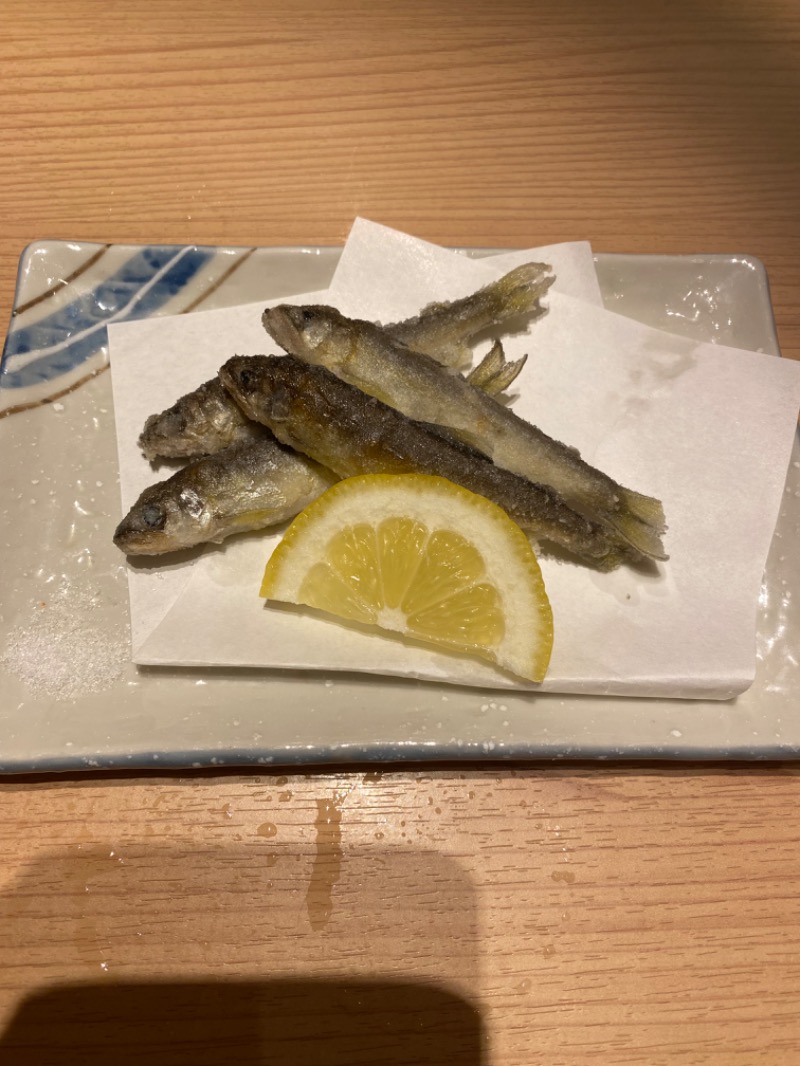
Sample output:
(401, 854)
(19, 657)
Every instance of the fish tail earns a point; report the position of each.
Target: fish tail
(441, 330)
(646, 508)
(643, 537)
(487, 367)
(505, 376)
(520, 290)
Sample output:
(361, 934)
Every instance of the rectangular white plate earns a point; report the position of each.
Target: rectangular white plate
(70, 698)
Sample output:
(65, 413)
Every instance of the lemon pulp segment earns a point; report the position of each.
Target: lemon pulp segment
(419, 555)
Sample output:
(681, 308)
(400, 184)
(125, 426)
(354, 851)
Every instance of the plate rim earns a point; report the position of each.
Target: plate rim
(412, 752)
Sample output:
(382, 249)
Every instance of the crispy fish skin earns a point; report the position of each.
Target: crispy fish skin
(310, 409)
(247, 486)
(206, 420)
(416, 385)
(441, 330)
(200, 423)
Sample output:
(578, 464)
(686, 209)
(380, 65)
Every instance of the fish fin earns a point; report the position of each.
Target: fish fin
(485, 370)
(494, 373)
(505, 377)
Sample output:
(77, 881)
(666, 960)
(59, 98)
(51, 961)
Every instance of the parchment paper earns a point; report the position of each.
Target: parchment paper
(707, 429)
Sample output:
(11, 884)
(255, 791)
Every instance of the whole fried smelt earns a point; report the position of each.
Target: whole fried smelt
(310, 409)
(247, 486)
(208, 419)
(441, 330)
(413, 383)
(200, 423)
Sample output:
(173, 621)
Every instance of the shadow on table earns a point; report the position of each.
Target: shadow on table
(319, 1022)
(273, 945)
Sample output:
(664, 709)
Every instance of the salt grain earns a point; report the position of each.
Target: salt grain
(60, 653)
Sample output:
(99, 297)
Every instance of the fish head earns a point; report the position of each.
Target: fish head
(162, 519)
(258, 384)
(161, 430)
(315, 333)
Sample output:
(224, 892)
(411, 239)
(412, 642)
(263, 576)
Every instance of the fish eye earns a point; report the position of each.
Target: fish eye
(308, 314)
(153, 516)
(246, 379)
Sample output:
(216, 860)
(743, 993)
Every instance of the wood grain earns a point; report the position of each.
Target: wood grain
(668, 129)
(636, 914)
(630, 915)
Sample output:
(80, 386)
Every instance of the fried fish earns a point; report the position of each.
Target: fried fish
(247, 486)
(312, 410)
(363, 355)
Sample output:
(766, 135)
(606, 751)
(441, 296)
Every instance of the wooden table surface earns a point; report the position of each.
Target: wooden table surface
(619, 914)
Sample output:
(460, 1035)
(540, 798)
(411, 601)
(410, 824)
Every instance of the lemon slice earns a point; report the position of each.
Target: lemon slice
(420, 556)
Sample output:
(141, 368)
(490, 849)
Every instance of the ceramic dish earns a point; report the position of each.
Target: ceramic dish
(71, 699)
